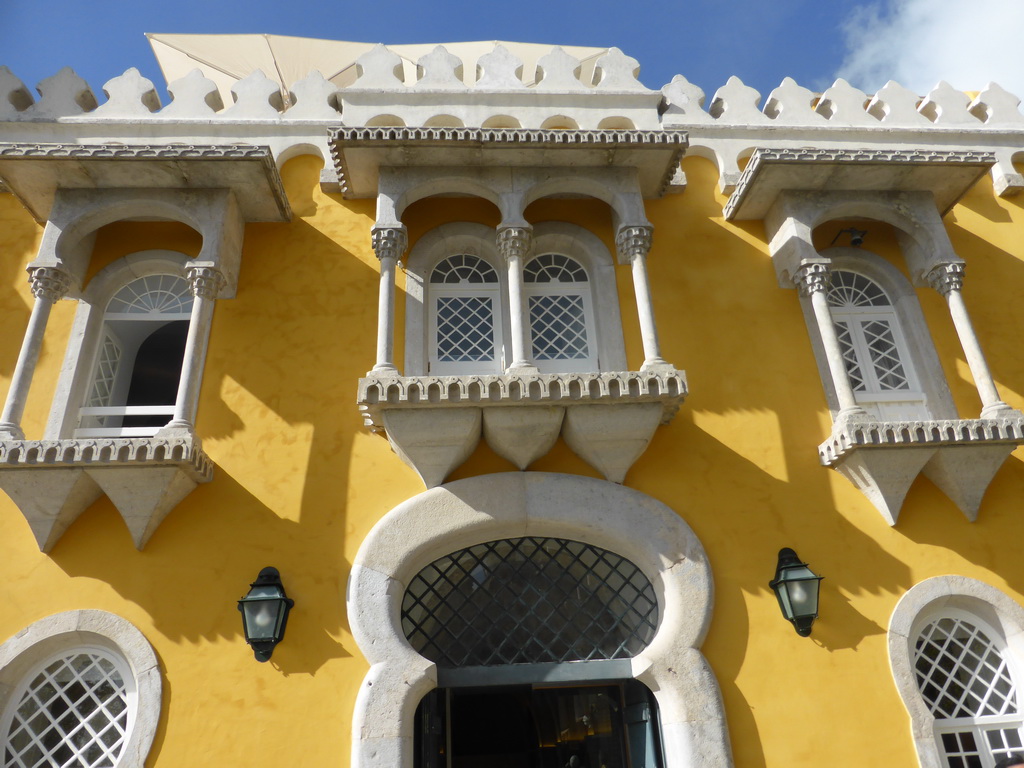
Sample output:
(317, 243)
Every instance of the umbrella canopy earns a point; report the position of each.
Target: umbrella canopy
(226, 59)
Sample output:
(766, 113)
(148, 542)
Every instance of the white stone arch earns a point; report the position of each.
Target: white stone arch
(460, 237)
(923, 603)
(920, 348)
(625, 201)
(73, 629)
(587, 248)
(466, 512)
(80, 357)
(444, 185)
(295, 150)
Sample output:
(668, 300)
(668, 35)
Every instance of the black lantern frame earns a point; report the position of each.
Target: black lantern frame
(797, 589)
(264, 612)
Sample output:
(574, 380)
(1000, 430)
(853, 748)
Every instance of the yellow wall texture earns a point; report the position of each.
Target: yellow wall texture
(299, 482)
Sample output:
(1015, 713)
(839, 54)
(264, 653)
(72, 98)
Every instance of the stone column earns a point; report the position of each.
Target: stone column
(812, 279)
(206, 284)
(948, 279)
(514, 244)
(633, 244)
(389, 243)
(48, 286)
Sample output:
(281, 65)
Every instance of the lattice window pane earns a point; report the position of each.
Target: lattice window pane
(885, 356)
(961, 750)
(465, 328)
(463, 269)
(153, 295)
(559, 328)
(961, 673)
(554, 268)
(106, 372)
(529, 600)
(850, 289)
(850, 357)
(73, 713)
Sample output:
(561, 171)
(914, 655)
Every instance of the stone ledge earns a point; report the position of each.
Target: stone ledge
(434, 423)
(53, 481)
(960, 456)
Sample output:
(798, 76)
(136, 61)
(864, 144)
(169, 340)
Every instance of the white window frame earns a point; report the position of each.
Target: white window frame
(917, 351)
(78, 373)
(998, 615)
(488, 291)
(23, 655)
(581, 289)
(575, 242)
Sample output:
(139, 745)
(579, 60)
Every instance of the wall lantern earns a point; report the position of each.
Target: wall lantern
(265, 613)
(796, 587)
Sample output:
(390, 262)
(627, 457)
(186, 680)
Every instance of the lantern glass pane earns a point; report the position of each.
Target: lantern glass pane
(261, 618)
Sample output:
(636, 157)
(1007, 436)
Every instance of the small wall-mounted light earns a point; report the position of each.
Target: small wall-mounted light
(265, 613)
(796, 588)
(856, 236)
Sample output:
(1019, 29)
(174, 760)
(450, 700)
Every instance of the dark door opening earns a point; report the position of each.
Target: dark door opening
(590, 726)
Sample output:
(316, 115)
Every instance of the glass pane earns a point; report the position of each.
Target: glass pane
(849, 289)
(463, 269)
(153, 294)
(465, 329)
(884, 355)
(529, 600)
(554, 268)
(559, 328)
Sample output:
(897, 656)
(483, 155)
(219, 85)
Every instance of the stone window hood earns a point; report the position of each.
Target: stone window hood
(794, 191)
(435, 422)
(74, 190)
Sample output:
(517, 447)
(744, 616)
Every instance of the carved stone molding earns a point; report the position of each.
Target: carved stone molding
(961, 456)
(633, 241)
(53, 481)
(515, 242)
(946, 277)
(389, 242)
(205, 282)
(812, 278)
(435, 422)
(49, 283)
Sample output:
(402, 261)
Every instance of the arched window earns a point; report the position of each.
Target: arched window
(465, 317)
(79, 689)
(139, 361)
(965, 678)
(874, 349)
(561, 314)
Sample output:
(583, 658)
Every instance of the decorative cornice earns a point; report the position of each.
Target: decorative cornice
(514, 242)
(946, 277)
(183, 452)
(49, 283)
(348, 135)
(633, 241)
(136, 151)
(812, 277)
(389, 242)
(848, 437)
(378, 393)
(205, 282)
(764, 156)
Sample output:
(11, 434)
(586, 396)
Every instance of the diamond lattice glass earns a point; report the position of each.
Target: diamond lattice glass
(74, 713)
(529, 600)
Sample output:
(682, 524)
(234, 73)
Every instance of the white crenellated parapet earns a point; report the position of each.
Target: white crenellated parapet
(439, 71)
(946, 106)
(62, 95)
(257, 97)
(314, 97)
(842, 104)
(500, 70)
(558, 71)
(193, 96)
(735, 102)
(684, 103)
(14, 96)
(128, 95)
(896, 105)
(792, 104)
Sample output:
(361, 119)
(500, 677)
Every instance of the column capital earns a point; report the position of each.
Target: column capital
(812, 277)
(946, 277)
(205, 282)
(49, 283)
(389, 242)
(514, 242)
(631, 241)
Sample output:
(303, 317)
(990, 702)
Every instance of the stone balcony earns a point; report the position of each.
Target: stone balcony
(961, 456)
(53, 481)
(434, 423)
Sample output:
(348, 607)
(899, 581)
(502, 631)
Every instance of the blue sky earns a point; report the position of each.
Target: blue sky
(916, 42)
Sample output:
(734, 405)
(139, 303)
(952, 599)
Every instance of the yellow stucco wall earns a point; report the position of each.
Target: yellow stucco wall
(299, 482)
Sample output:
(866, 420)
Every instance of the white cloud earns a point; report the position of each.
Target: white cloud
(920, 42)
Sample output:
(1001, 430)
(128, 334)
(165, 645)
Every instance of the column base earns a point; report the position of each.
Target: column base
(657, 364)
(176, 428)
(10, 431)
(854, 413)
(994, 410)
(522, 366)
(384, 369)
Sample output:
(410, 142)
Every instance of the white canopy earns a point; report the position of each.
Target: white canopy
(226, 59)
